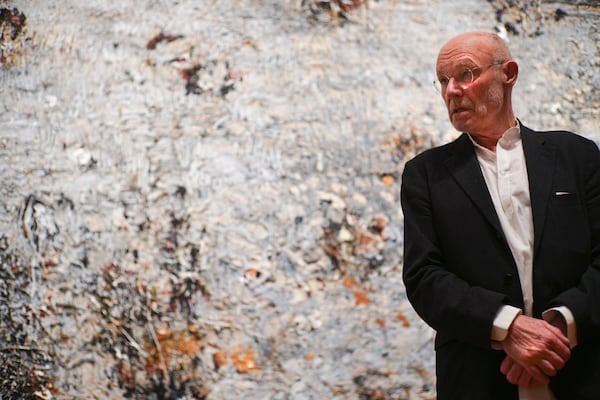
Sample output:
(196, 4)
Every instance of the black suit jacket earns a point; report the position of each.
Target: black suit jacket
(459, 270)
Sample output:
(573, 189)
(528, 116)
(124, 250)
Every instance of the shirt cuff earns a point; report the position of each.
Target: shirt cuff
(504, 318)
(569, 319)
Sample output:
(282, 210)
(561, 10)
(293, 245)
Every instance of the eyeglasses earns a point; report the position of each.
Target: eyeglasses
(463, 78)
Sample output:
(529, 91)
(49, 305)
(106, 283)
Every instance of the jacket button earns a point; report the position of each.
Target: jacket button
(508, 279)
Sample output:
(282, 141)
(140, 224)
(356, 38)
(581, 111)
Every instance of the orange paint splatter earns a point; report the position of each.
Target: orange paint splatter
(349, 282)
(402, 318)
(219, 359)
(245, 361)
(361, 297)
(388, 180)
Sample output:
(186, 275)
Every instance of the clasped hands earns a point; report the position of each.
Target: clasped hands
(535, 351)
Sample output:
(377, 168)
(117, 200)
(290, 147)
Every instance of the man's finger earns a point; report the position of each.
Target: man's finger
(548, 368)
(525, 379)
(560, 334)
(538, 375)
(514, 373)
(562, 350)
(506, 365)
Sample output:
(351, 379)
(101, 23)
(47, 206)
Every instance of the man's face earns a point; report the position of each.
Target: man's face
(475, 106)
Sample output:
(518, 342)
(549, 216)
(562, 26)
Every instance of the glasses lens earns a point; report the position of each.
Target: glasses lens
(465, 77)
(438, 86)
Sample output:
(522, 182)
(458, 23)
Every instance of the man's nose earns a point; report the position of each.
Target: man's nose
(453, 88)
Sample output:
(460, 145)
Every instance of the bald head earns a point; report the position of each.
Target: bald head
(483, 43)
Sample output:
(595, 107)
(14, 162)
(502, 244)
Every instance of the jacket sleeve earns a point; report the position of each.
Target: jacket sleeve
(584, 299)
(449, 303)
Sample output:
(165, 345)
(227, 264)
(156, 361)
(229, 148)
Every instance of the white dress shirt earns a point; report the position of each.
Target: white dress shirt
(505, 174)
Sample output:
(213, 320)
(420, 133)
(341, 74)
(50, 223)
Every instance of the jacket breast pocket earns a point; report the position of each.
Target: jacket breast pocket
(565, 198)
(567, 228)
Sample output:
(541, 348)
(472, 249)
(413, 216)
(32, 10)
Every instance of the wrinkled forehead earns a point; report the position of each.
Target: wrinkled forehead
(464, 52)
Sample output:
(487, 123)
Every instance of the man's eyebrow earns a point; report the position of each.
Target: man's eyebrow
(461, 64)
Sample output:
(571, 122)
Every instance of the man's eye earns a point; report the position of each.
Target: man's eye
(465, 76)
(444, 80)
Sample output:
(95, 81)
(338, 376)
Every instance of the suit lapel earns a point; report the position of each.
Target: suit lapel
(540, 157)
(465, 169)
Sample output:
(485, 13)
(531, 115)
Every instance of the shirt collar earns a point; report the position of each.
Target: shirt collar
(509, 139)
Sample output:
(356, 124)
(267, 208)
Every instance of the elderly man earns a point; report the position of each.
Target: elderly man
(502, 241)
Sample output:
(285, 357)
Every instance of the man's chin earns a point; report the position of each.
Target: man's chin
(460, 125)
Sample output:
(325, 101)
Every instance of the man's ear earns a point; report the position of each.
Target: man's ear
(511, 72)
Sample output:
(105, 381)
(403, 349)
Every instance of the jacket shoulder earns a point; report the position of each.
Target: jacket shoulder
(438, 154)
(561, 137)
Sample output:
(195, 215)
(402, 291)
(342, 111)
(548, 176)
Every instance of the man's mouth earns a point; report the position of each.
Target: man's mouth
(458, 111)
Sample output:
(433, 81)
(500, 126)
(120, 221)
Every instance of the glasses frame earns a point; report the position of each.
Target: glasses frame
(465, 80)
